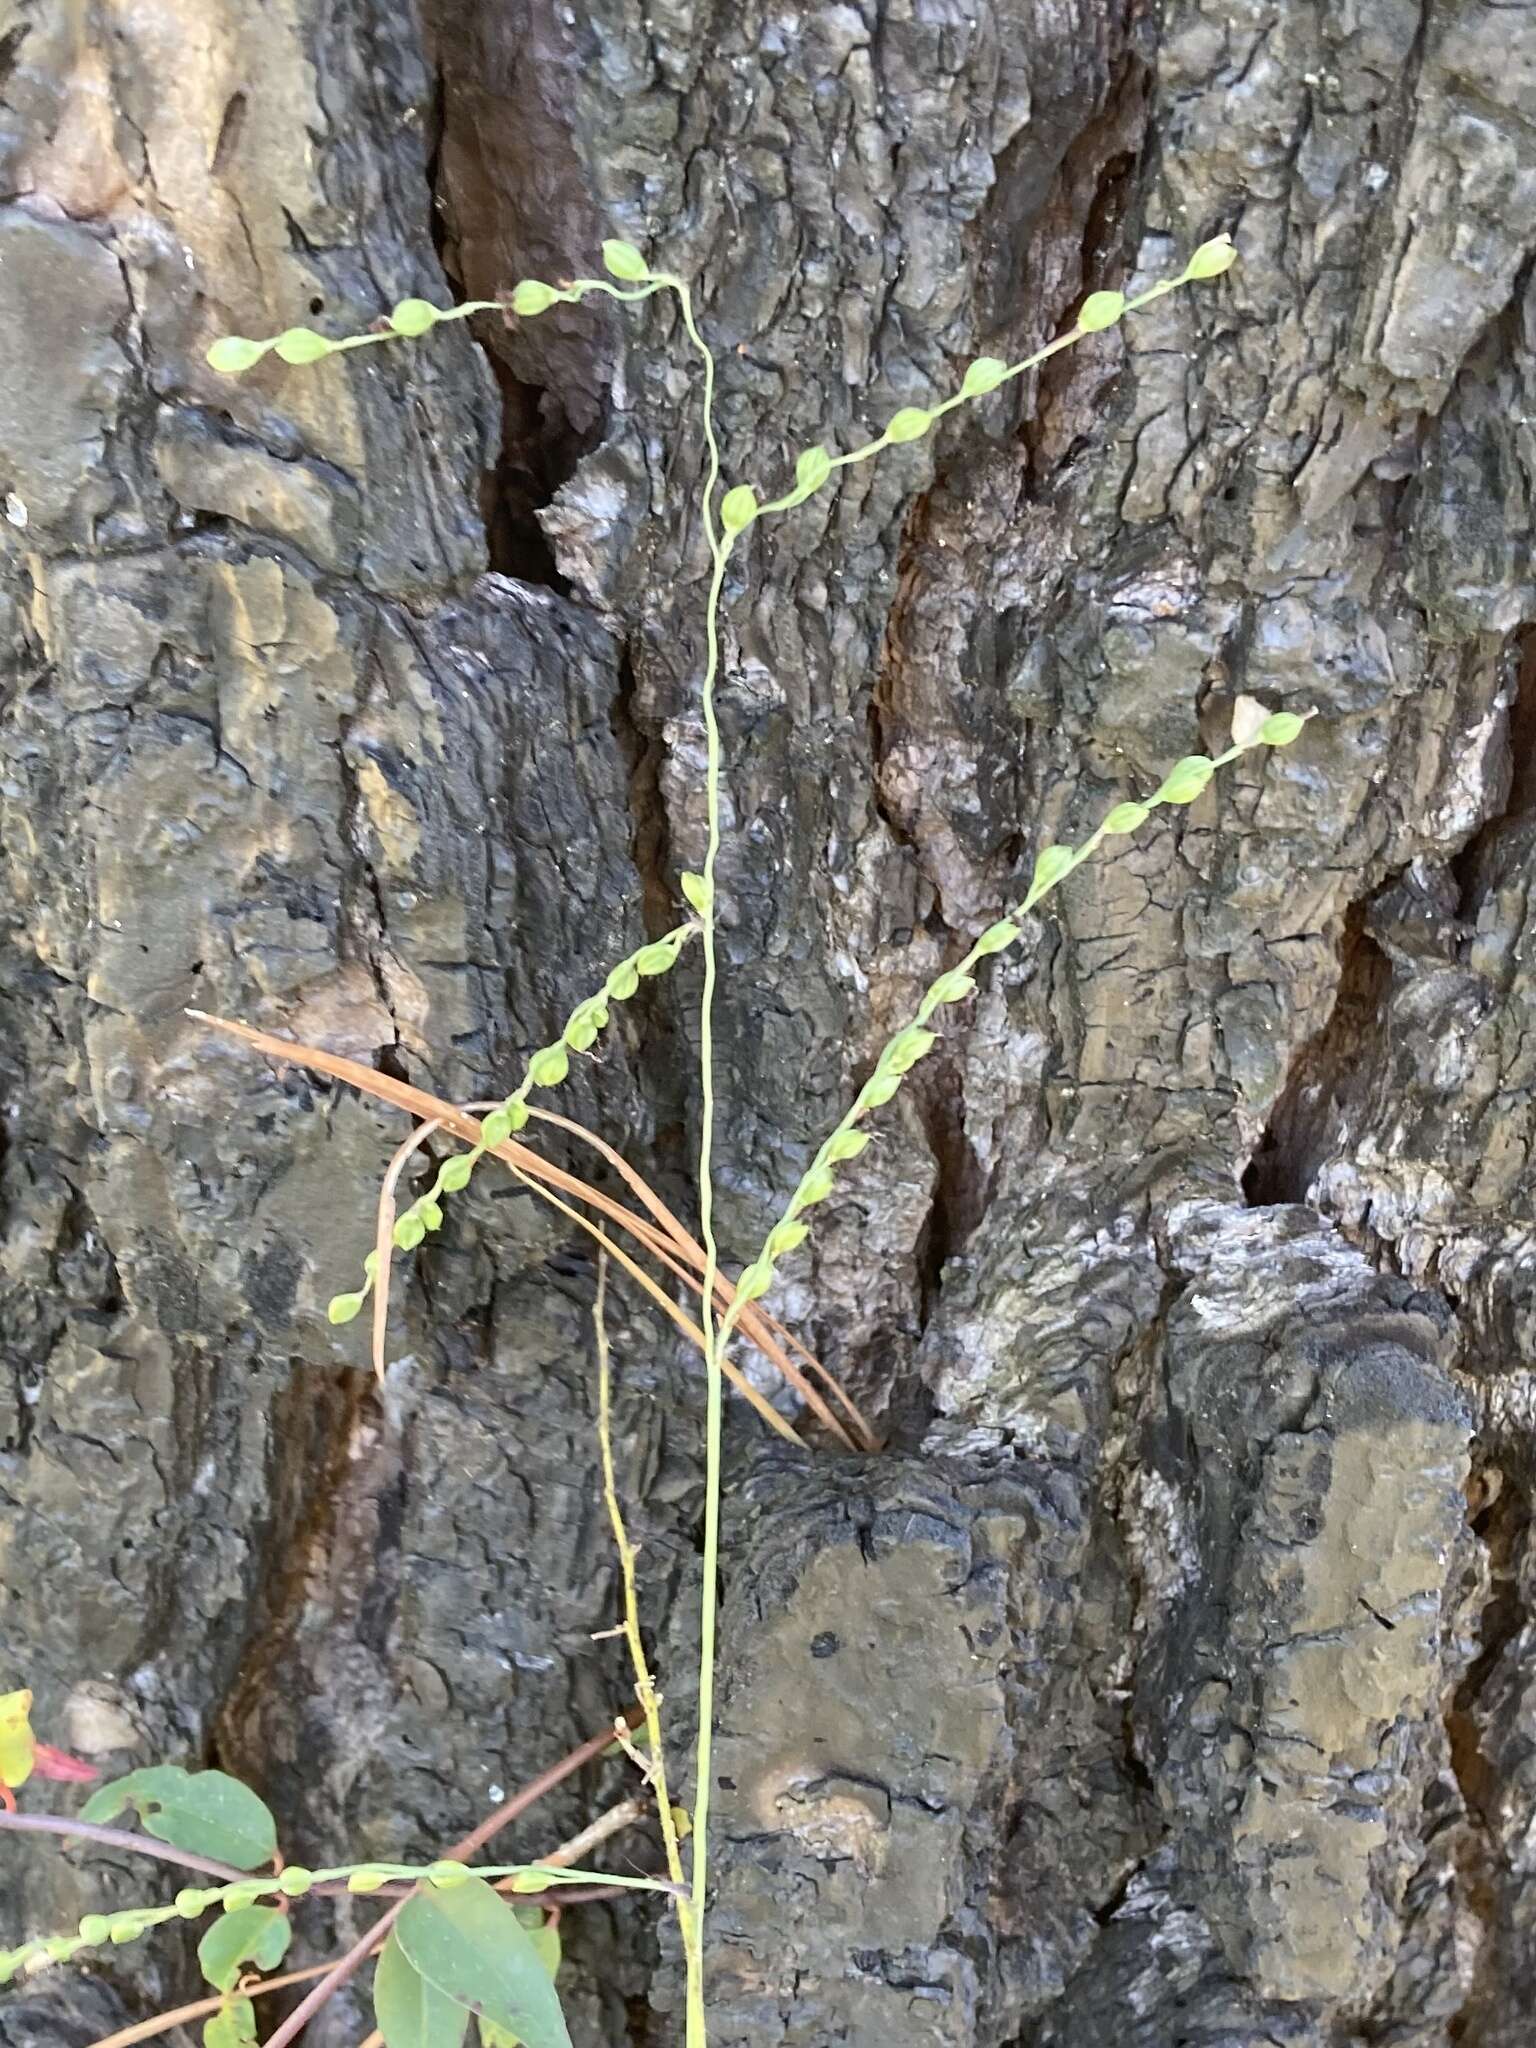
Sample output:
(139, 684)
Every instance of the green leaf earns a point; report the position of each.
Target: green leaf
(203, 1812)
(251, 1934)
(301, 345)
(984, 375)
(1100, 310)
(408, 2011)
(468, 1942)
(545, 1936)
(532, 298)
(232, 2026)
(546, 1941)
(456, 1172)
(879, 1088)
(1054, 862)
(654, 959)
(232, 353)
(344, 1308)
(910, 424)
(1281, 728)
(846, 1144)
(696, 889)
(785, 1238)
(738, 508)
(109, 1800)
(1212, 258)
(755, 1281)
(997, 936)
(414, 316)
(496, 1128)
(812, 469)
(623, 260)
(1185, 779)
(907, 1048)
(549, 1067)
(1126, 818)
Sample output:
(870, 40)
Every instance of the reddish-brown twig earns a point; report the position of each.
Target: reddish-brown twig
(347, 1965)
(120, 1838)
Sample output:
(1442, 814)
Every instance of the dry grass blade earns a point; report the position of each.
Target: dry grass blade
(764, 1330)
(663, 1301)
(203, 2008)
(666, 1238)
(384, 1239)
(659, 1246)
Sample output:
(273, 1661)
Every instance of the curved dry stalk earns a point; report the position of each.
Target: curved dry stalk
(834, 1386)
(384, 1240)
(204, 2008)
(665, 1238)
(754, 1322)
(685, 1257)
(384, 1247)
(662, 1299)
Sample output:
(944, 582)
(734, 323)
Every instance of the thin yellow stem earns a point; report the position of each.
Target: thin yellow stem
(714, 1402)
(645, 1685)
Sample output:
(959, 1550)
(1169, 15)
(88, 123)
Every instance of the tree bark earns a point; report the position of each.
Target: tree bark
(1170, 1674)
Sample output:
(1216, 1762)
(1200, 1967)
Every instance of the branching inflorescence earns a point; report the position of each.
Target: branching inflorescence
(726, 519)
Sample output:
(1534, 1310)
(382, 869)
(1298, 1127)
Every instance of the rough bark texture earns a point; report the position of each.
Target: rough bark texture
(1172, 1677)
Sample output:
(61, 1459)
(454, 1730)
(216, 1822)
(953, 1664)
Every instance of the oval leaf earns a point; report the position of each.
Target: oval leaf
(469, 1943)
(232, 2026)
(232, 353)
(204, 1812)
(154, 1783)
(410, 2012)
(531, 298)
(546, 1941)
(623, 260)
(985, 374)
(1280, 730)
(813, 469)
(1126, 818)
(1053, 863)
(545, 1937)
(738, 509)
(250, 1934)
(1186, 779)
